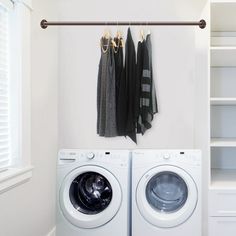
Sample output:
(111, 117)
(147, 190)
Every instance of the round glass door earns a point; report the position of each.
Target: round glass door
(166, 192)
(90, 193)
(166, 196)
(90, 196)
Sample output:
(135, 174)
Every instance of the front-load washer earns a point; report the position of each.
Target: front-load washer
(93, 193)
(166, 192)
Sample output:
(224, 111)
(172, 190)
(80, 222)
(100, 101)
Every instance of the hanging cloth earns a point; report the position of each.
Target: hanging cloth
(148, 101)
(153, 97)
(120, 86)
(140, 55)
(130, 74)
(119, 62)
(106, 91)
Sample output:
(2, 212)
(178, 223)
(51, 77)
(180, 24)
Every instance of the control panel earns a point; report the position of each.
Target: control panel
(192, 157)
(93, 156)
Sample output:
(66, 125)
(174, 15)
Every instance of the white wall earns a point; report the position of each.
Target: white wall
(28, 210)
(173, 58)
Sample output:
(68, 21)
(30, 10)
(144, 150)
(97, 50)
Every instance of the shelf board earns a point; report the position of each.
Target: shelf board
(223, 142)
(223, 56)
(223, 1)
(223, 48)
(223, 101)
(222, 34)
(223, 39)
(223, 178)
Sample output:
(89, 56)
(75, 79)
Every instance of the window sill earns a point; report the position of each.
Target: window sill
(13, 177)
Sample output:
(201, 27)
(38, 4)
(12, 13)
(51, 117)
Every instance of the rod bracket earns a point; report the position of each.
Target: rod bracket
(43, 24)
(202, 24)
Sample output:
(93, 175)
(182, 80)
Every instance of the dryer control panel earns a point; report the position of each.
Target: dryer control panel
(191, 157)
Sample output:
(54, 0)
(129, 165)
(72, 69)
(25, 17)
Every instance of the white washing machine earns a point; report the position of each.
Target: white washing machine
(166, 192)
(93, 193)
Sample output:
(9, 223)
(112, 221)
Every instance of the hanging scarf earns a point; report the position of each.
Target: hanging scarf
(130, 73)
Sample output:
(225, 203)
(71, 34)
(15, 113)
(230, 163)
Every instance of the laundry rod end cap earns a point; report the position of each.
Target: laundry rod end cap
(202, 24)
(43, 24)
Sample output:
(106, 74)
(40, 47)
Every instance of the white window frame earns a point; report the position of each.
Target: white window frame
(20, 73)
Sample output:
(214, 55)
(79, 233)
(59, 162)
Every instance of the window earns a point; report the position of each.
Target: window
(15, 93)
(4, 88)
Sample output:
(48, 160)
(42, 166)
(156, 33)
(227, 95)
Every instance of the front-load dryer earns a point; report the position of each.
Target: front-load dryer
(93, 193)
(166, 192)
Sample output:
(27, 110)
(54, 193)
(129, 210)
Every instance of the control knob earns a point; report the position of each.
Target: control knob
(166, 156)
(90, 155)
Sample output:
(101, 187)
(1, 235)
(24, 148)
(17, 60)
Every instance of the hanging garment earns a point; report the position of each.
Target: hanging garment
(140, 51)
(120, 87)
(106, 91)
(153, 97)
(148, 101)
(130, 74)
(119, 62)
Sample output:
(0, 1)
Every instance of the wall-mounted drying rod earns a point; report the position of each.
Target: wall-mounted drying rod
(202, 23)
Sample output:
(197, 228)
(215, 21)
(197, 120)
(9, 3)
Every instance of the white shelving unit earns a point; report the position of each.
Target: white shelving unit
(222, 109)
(223, 79)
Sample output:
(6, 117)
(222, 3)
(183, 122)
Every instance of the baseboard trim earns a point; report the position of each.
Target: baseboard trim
(52, 232)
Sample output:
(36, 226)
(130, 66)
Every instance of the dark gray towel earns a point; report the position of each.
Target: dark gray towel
(140, 55)
(153, 97)
(148, 101)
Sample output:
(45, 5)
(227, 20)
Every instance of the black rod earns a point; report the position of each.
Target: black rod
(202, 23)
